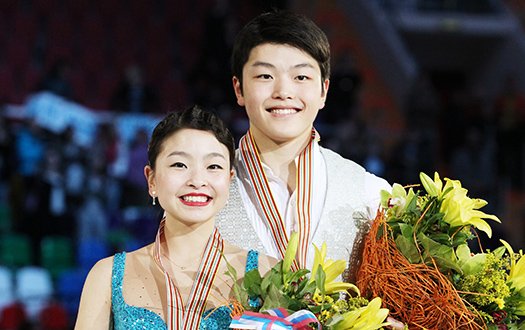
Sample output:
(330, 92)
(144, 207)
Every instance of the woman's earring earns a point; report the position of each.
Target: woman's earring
(153, 202)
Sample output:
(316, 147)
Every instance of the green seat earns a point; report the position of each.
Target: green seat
(117, 239)
(15, 250)
(56, 254)
(5, 219)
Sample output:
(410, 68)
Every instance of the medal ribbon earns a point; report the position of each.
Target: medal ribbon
(252, 162)
(188, 316)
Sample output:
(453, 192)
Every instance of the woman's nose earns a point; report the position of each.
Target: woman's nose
(197, 179)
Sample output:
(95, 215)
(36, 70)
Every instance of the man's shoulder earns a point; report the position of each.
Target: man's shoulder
(348, 170)
(332, 159)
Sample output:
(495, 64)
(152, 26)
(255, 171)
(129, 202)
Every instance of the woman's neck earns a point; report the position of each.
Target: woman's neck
(185, 242)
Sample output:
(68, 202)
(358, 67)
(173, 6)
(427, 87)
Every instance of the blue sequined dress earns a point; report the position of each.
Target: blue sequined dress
(131, 317)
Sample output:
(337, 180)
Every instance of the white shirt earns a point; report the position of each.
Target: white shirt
(286, 203)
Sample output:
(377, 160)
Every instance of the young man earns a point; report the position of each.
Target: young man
(285, 180)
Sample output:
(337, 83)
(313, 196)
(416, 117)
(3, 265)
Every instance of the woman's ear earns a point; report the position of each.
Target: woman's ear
(149, 174)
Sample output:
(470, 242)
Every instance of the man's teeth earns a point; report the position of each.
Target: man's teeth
(195, 199)
(283, 111)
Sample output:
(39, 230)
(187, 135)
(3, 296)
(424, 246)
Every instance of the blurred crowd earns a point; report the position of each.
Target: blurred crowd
(52, 186)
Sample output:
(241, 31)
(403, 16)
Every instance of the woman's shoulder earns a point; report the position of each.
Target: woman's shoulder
(266, 263)
(141, 256)
(238, 257)
(102, 267)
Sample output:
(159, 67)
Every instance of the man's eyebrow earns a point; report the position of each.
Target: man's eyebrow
(270, 65)
(263, 64)
(303, 65)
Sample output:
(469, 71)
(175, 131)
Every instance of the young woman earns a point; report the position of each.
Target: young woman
(179, 281)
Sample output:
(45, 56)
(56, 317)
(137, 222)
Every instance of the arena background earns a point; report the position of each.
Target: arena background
(416, 85)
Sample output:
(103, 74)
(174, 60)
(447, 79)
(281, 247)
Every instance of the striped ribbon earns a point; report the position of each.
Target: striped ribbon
(252, 162)
(188, 316)
(275, 319)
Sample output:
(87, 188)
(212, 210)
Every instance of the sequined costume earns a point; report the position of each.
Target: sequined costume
(131, 317)
(352, 198)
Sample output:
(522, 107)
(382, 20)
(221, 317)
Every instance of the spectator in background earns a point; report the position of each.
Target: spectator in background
(107, 164)
(57, 80)
(74, 157)
(133, 94)
(49, 211)
(92, 219)
(509, 115)
(133, 181)
(473, 163)
(6, 150)
(29, 147)
(345, 83)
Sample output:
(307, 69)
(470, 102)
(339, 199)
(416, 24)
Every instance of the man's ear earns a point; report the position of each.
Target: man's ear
(326, 85)
(237, 88)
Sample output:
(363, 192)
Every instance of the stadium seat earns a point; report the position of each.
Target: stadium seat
(34, 289)
(11, 243)
(6, 287)
(57, 254)
(90, 251)
(69, 288)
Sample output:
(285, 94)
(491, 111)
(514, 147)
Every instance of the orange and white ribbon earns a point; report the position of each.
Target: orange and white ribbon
(187, 316)
(266, 202)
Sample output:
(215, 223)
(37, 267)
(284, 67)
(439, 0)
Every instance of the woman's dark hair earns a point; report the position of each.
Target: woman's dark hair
(194, 118)
(281, 27)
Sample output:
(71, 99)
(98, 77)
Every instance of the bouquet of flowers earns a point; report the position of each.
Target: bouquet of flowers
(417, 258)
(302, 299)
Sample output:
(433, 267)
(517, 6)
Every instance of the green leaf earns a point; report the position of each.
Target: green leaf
(441, 238)
(461, 237)
(407, 247)
(295, 276)
(406, 230)
(275, 299)
(239, 294)
(474, 264)
(252, 283)
(272, 278)
(443, 255)
(499, 252)
(306, 287)
(320, 278)
(412, 204)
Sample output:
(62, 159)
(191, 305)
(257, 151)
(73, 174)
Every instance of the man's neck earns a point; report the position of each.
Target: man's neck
(280, 157)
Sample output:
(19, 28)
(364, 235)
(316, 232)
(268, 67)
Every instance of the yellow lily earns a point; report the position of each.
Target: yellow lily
(461, 210)
(516, 277)
(369, 317)
(432, 187)
(332, 269)
(458, 209)
(291, 251)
